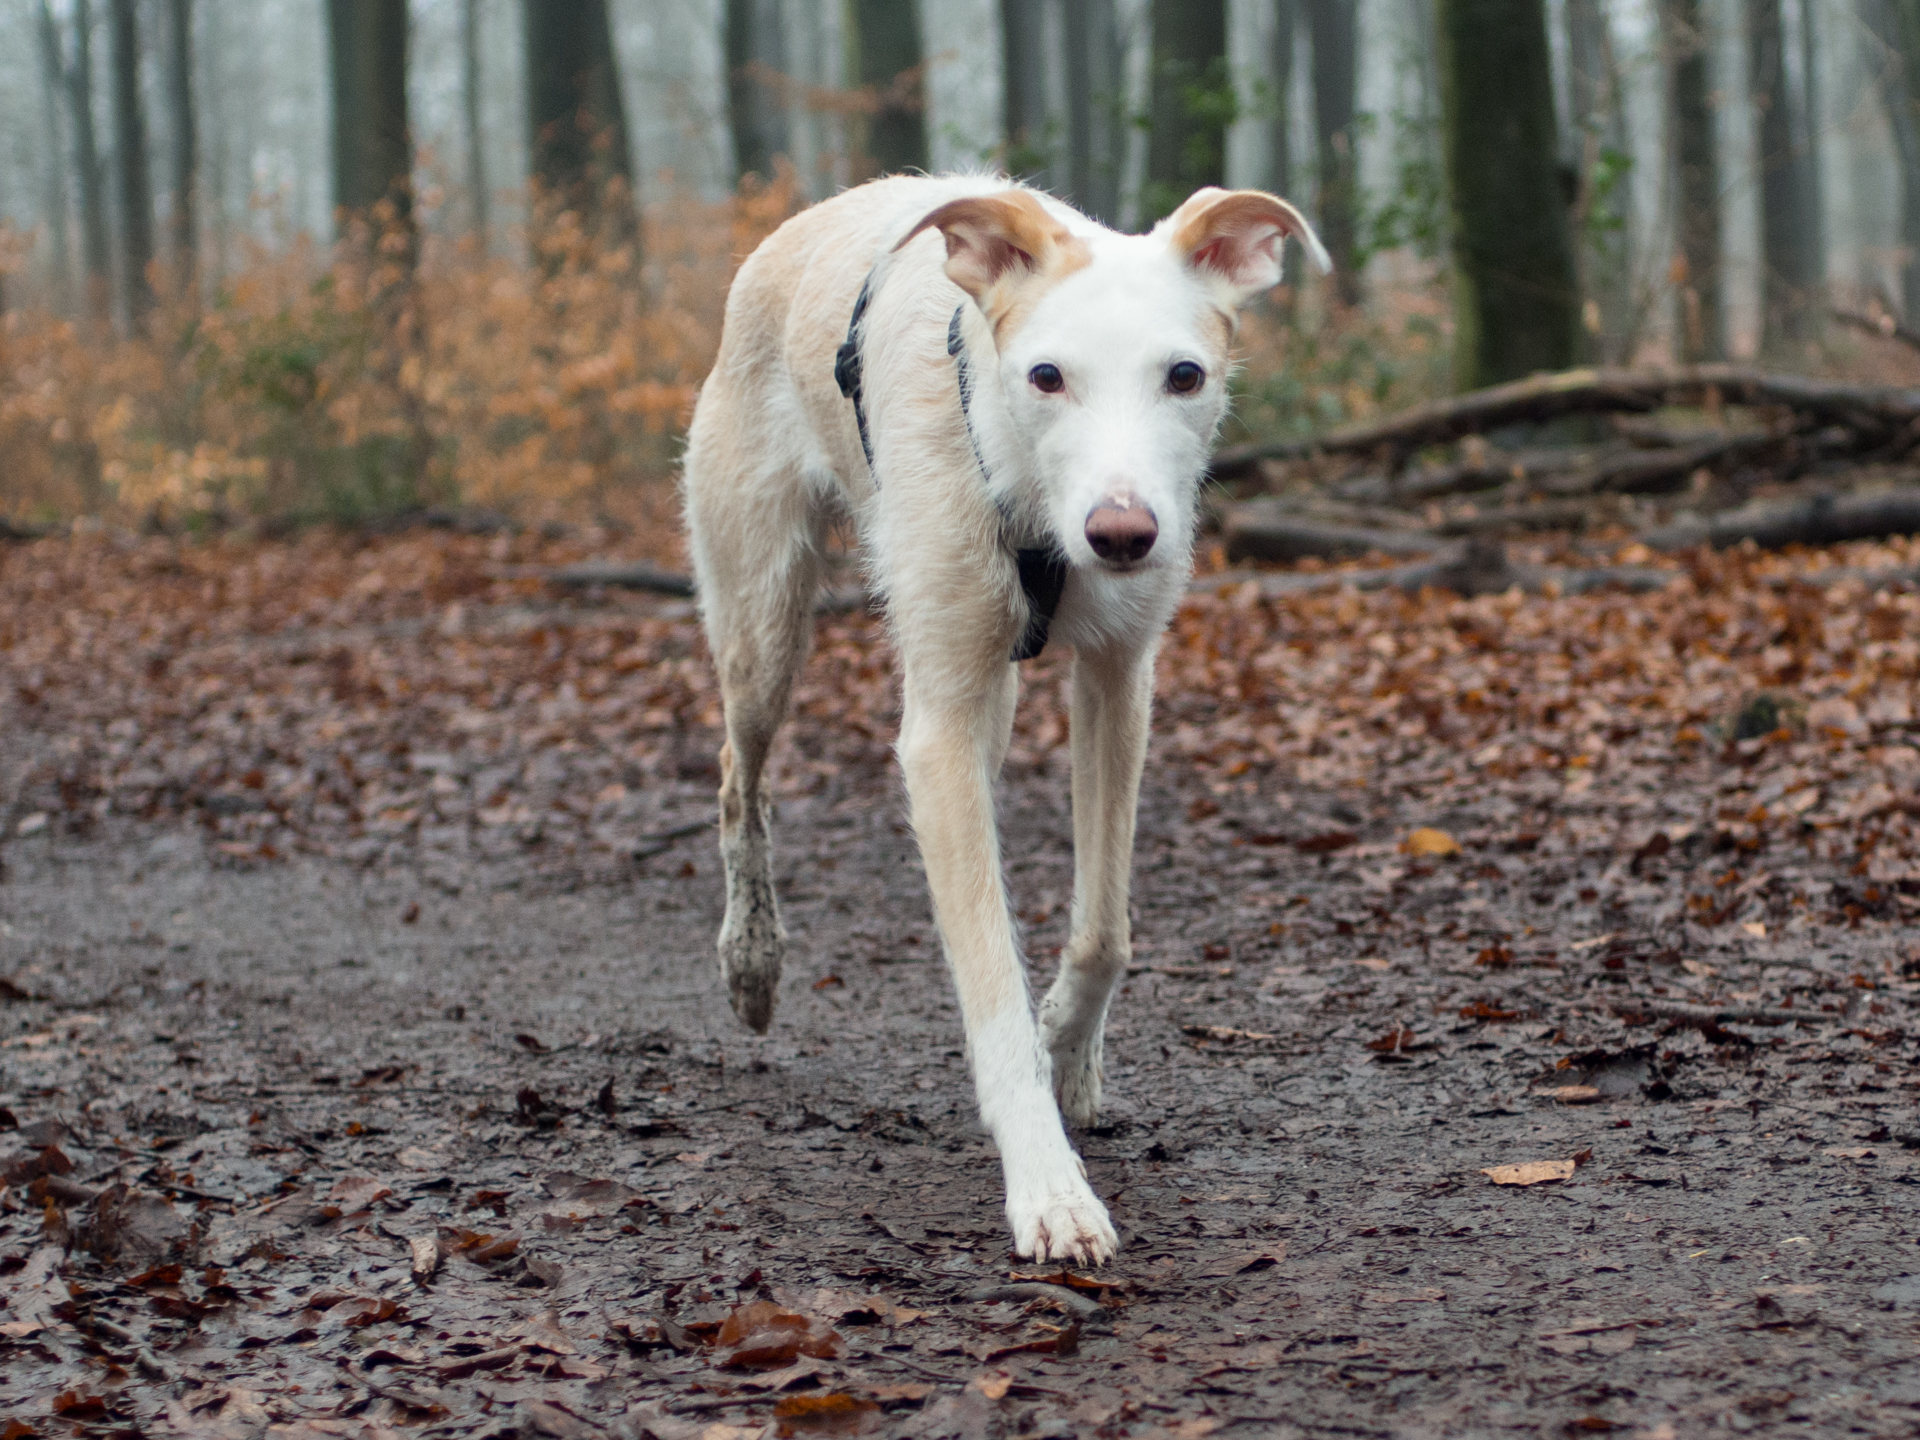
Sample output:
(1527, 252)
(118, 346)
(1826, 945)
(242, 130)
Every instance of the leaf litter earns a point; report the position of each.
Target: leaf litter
(369, 1077)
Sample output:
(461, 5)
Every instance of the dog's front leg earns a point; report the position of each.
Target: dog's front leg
(952, 736)
(1112, 698)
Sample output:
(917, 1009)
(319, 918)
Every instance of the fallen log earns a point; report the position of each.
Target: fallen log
(1464, 478)
(1547, 515)
(1262, 530)
(1479, 567)
(1660, 472)
(1819, 520)
(1880, 414)
(1883, 325)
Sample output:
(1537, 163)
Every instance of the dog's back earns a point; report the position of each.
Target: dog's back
(771, 408)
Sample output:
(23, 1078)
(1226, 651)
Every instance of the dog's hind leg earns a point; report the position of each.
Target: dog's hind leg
(1112, 698)
(756, 537)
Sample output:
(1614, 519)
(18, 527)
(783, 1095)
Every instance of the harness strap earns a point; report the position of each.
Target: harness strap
(1042, 569)
(846, 371)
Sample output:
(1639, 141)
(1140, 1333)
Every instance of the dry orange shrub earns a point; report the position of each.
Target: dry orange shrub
(348, 385)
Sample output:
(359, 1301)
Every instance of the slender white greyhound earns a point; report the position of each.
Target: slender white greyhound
(1017, 422)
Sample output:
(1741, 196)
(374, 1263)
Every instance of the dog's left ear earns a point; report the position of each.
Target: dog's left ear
(1233, 238)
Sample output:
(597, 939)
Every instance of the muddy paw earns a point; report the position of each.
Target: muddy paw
(750, 964)
(1067, 1222)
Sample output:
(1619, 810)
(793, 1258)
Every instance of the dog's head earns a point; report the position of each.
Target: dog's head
(1113, 351)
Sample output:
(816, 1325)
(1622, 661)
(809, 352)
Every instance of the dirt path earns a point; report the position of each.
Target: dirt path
(509, 1062)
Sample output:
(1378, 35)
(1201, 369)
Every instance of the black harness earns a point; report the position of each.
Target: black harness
(1043, 569)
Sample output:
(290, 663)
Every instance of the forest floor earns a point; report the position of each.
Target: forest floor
(366, 1071)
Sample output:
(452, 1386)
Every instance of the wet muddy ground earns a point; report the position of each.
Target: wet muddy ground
(453, 1133)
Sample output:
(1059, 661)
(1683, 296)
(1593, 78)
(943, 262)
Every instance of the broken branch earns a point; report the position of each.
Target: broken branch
(1877, 412)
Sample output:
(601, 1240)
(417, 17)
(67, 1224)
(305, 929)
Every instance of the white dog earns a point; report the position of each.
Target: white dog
(1017, 422)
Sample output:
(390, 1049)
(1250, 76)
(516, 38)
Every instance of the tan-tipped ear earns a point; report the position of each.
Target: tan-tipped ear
(1003, 250)
(1234, 237)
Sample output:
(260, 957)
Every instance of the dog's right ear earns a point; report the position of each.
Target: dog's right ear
(1000, 247)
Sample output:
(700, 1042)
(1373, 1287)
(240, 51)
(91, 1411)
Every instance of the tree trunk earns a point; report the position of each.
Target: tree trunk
(130, 166)
(1094, 133)
(52, 87)
(1696, 172)
(1514, 296)
(1335, 57)
(1191, 106)
(1813, 227)
(887, 39)
(1029, 138)
(1280, 127)
(1895, 25)
(86, 156)
(478, 196)
(372, 150)
(1599, 150)
(756, 76)
(580, 150)
(184, 237)
(1785, 283)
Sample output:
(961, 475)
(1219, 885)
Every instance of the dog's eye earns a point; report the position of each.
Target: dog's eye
(1047, 379)
(1185, 378)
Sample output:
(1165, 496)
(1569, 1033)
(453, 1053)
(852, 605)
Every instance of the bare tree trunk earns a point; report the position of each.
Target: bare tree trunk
(1895, 25)
(372, 148)
(1193, 101)
(1335, 62)
(756, 76)
(1785, 282)
(1697, 178)
(1599, 146)
(886, 40)
(1286, 24)
(1514, 296)
(86, 147)
(130, 166)
(1030, 145)
(183, 219)
(1813, 228)
(478, 196)
(1095, 135)
(581, 153)
(52, 86)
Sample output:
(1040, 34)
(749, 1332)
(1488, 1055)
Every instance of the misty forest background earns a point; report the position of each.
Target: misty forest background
(340, 259)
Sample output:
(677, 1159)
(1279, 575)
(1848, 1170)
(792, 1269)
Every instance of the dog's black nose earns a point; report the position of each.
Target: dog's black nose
(1122, 529)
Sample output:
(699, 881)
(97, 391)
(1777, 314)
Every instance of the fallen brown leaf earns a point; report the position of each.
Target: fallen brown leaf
(1531, 1172)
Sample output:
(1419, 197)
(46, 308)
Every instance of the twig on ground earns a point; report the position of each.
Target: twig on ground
(1715, 1014)
(660, 841)
(1060, 1295)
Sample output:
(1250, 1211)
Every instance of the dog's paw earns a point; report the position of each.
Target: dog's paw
(750, 964)
(1062, 1222)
